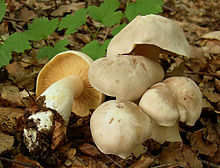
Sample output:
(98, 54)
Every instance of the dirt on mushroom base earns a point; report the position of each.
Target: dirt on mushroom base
(196, 18)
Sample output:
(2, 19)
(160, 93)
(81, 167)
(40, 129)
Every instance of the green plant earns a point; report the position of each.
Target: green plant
(108, 15)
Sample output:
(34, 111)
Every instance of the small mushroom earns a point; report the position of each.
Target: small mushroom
(148, 36)
(64, 87)
(168, 102)
(120, 127)
(188, 96)
(125, 77)
(159, 103)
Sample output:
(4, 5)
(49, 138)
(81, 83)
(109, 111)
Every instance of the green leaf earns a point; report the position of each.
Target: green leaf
(50, 52)
(143, 7)
(117, 29)
(5, 56)
(17, 42)
(41, 28)
(2, 9)
(106, 13)
(95, 50)
(72, 22)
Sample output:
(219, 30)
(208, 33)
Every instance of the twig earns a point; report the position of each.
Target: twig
(113, 161)
(20, 163)
(13, 19)
(209, 164)
(166, 164)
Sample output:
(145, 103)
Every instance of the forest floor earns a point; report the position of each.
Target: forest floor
(201, 143)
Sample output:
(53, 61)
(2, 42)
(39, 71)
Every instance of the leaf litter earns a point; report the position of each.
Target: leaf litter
(201, 147)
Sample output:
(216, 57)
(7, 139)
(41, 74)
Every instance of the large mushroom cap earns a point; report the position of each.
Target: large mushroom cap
(147, 35)
(63, 65)
(189, 98)
(118, 127)
(124, 76)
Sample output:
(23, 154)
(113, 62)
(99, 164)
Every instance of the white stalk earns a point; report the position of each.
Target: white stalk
(59, 96)
(165, 133)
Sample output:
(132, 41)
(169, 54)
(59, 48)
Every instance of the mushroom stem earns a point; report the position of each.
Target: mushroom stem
(165, 133)
(59, 96)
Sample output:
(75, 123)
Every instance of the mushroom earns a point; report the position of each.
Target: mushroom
(73, 66)
(159, 103)
(125, 77)
(64, 87)
(168, 102)
(188, 96)
(120, 127)
(148, 36)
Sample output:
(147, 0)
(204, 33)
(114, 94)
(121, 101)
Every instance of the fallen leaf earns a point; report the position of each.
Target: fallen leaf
(89, 149)
(144, 162)
(25, 160)
(180, 154)
(198, 144)
(59, 135)
(211, 95)
(6, 142)
(26, 14)
(212, 35)
(67, 8)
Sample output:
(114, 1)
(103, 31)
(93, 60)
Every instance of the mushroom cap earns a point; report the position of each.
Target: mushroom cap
(159, 104)
(188, 96)
(118, 127)
(63, 65)
(153, 32)
(124, 76)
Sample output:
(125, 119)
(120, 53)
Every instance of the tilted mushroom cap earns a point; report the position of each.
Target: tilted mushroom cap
(189, 98)
(66, 64)
(148, 34)
(120, 127)
(124, 76)
(159, 104)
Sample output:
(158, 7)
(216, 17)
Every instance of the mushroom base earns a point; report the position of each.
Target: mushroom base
(139, 150)
(39, 132)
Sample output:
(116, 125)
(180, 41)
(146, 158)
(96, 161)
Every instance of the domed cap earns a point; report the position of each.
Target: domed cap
(119, 127)
(146, 35)
(66, 64)
(189, 98)
(123, 76)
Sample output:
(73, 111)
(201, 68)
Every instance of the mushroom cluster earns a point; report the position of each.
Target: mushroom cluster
(131, 72)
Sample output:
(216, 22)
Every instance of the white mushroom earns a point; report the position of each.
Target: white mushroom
(148, 36)
(124, 76)
(120, 127)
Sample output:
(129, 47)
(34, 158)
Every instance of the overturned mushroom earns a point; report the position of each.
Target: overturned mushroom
(124, 76)
(63, 84)
(168, 102)
(148, 36)
(120, 127)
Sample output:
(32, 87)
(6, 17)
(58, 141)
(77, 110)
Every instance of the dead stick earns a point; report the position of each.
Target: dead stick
(20, 163)
(113, 161)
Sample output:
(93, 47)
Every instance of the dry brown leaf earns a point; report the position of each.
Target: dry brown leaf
(217, 84)
(25, 160)
(59, 135)
(179, 154)
(67, 8)
(11, 112)
(197, 143)
(211, 95)
(144, 162)
(26, 14)
(6, 142)
(212, 35)
(211, 46)
(89, 149)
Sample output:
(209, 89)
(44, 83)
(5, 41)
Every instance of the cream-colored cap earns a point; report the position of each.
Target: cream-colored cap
(119, 127)
(159, 103)
(124, 76)
(189, 98)
(66, 64)
(147, 35)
